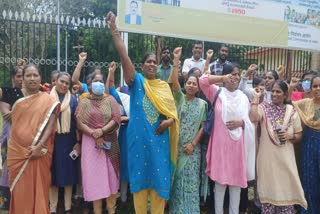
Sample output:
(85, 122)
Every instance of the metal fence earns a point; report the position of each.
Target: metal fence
(34, 38)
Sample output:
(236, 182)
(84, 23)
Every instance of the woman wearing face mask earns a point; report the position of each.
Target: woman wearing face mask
(192, 114)
(309, 111)
(8, 96)
(231, 150)
(98, 118)
(278, 182)
(298, 90)
(64, 168)
(305, 85)
(152, 148)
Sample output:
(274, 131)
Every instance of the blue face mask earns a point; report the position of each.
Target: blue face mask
(306, 84)
(97, 88)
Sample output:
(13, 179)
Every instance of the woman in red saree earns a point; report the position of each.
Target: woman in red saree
(30, 147)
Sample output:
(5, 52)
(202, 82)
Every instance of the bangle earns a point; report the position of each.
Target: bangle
(254, 104)
(111, 80)
(175, 66)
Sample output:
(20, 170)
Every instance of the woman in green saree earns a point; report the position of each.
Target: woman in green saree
(192, 111)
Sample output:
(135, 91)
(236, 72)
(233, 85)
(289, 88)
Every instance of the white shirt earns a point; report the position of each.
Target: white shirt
(133, 19)
(191, 63)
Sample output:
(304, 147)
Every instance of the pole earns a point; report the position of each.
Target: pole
(289, 65)
(58, 38)
(66, 70)
(203, 51)
(124, 37)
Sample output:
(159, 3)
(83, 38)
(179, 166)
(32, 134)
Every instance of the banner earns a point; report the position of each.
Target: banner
(293, 24)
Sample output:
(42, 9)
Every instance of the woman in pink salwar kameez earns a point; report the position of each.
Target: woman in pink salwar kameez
(231, 150)
(98, 117)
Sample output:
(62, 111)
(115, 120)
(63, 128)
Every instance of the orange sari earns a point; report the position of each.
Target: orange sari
(29, 180)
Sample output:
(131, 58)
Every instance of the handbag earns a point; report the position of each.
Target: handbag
(208, 124)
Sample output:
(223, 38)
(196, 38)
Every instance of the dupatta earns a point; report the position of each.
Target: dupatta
(65, 111)
(306, 111)
(235, 105)
(274, 113)
(96, 112)
(160, 96)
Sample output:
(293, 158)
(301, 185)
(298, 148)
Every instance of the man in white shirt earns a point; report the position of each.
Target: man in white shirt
(194, 61)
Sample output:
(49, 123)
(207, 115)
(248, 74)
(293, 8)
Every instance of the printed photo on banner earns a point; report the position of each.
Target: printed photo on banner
(277, 23)
(133, 12)
(306, 16)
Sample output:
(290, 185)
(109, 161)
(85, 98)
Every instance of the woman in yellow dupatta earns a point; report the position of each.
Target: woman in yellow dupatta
(30, 147)
(154, 129)
(309, 112)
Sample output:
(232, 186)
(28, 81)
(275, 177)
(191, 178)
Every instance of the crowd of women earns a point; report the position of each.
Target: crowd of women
(148, 138)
